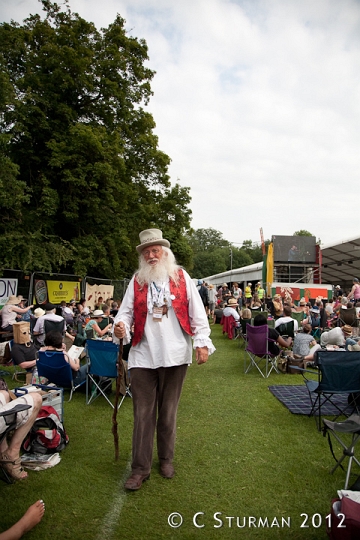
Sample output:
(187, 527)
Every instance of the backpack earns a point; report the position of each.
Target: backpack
(47, 434)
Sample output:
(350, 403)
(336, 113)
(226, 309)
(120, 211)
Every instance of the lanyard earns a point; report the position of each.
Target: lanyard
(157, 294)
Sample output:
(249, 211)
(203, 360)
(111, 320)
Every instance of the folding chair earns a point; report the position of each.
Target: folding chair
(256, 311)
(338, 373)
(257, 348)
(350, 426)
(17, 369)
(229, 325)
(298, 316)
(10, 422)
(348, 316)
(55, 326)
(102, 359)
(242, 330)
(53, 366)
(286, 329)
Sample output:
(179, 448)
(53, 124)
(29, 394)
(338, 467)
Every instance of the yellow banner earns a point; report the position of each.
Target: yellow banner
(63, 290)
(269, 268)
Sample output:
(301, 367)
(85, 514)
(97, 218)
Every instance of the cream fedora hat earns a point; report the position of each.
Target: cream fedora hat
(151, 237)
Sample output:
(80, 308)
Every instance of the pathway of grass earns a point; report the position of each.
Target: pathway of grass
(239, 453)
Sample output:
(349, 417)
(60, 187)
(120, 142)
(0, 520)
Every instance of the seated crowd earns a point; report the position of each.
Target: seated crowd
(58, 338)
(322, 323)
(65, 320)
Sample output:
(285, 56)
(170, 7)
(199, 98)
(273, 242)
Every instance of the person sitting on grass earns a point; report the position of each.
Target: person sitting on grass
(335, 336)
(275, 340)
(305, 346)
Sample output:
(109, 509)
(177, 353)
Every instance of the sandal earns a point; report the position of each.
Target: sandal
(13, 467)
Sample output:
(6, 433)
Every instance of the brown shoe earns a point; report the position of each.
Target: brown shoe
(134, 482)
(167, 470)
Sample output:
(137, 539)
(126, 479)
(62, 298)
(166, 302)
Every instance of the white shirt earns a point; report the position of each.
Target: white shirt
(39, 325)
(231, 312)
(165, 344)
(329, 308)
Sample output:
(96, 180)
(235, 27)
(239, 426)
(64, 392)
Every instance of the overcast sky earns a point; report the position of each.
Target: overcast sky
(257, 103)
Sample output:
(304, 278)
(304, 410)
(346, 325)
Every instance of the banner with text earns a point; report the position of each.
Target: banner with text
(8, 287)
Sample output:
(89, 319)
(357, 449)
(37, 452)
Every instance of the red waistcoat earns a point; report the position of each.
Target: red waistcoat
(179, 304)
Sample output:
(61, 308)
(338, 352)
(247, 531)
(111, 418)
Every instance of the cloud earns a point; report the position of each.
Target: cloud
(257, 104)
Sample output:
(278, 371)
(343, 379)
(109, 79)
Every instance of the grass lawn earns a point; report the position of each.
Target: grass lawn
(240, 456)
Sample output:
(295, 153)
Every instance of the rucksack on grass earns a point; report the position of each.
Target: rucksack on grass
(47, 435)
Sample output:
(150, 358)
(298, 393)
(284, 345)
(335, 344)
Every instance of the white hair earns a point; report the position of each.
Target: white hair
(166, 267)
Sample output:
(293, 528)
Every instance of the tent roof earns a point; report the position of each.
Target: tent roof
(341, 262)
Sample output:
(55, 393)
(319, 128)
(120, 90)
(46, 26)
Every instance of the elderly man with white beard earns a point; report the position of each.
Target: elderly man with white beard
(166, 310)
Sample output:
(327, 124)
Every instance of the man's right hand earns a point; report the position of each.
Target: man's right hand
(119, 330)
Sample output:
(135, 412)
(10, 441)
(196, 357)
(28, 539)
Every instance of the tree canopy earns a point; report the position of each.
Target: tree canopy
(302, 232)
(212, 254)
(80, 169)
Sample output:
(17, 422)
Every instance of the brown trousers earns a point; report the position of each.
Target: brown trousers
(156, 394)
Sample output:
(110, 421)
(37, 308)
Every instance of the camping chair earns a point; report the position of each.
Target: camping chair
(338, 373)
(257, 348)
(242, 330)
(10, 423)
(271, 323)
(350, 426)
(229, 326)
(54, 326)
(102, 362)
(256, 311)
(286, 329)
(348, 316)
(53, 366)
(298, 316)
(17, 369)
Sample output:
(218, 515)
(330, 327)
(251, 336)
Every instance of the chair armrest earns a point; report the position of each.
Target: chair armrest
(18, 408)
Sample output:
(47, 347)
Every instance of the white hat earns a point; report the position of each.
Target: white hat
(151, 237)
(38, 312)
(97, 313)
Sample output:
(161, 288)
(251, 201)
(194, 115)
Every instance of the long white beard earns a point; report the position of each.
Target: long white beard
(164, 269)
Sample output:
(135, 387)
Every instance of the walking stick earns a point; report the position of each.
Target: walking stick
(120, 371)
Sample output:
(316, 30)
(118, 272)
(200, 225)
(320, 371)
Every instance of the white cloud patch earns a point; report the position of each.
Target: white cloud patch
(256, 102)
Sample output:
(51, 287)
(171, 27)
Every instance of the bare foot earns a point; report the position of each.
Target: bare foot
(32, 517)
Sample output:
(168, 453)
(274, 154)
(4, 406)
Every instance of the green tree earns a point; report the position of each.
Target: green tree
(302, 232)
(241, 258)
(253, 250)
(208, 263)
(206, 239)
(79, 150)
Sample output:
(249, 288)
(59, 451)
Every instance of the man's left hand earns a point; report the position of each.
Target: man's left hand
(201, 355)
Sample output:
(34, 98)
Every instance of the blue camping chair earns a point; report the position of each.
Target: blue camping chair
(102, 362)
(53, 366)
